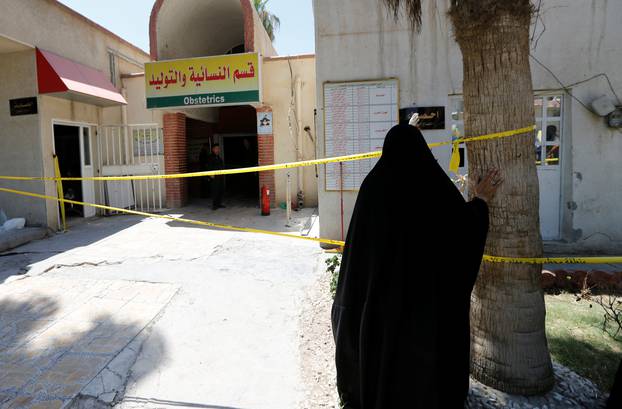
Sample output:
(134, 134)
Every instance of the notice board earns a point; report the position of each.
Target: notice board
(357, 117)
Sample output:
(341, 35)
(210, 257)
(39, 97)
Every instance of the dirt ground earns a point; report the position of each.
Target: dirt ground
(317, 348)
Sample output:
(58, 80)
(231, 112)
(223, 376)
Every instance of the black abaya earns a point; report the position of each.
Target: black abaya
(615, 398)
(214, 162)
(401, 313)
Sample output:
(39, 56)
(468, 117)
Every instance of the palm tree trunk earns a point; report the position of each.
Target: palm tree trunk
(508, 342)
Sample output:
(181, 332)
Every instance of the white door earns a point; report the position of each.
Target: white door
(86, 160)
(549, 111)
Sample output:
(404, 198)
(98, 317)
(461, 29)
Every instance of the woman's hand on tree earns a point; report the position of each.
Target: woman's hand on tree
(487, 187)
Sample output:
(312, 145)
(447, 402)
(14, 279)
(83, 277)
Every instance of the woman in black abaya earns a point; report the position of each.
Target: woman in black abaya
(401, 313)
(615, 397)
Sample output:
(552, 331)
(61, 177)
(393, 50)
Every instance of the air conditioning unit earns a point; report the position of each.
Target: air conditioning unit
(604, 107)
(614, 119)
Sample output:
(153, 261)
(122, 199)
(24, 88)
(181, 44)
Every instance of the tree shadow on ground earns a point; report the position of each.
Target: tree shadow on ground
(49, 353)
(249, 217)
(592, 361)
(83, 233)
(76, 350)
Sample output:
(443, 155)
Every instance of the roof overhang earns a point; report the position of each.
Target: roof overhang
(64, 78)
(10, 45)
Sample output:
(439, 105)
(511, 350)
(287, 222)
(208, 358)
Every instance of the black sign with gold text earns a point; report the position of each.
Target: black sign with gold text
(23, 106)
(429, 117)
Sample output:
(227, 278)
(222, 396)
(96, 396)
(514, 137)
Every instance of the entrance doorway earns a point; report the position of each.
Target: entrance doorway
(241, 151)
(235, 131)
(72, 146)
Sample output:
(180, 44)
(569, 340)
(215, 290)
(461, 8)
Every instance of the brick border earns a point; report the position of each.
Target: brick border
(175, 158)
(249, 25)
(153, 33)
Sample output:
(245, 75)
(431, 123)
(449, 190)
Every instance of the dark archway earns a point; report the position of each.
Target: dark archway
(200, 28)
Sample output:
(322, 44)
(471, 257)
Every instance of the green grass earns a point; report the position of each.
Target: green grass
(577, 340)
(575, 335)
(332, 267)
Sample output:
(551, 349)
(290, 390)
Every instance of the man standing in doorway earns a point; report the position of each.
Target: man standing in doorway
(214, 162)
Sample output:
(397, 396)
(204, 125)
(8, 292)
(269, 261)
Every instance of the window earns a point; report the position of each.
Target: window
(147, 142)
(548, 110)
(113, 68)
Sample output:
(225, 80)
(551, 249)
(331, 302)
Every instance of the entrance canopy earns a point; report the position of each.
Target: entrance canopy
(71, 80)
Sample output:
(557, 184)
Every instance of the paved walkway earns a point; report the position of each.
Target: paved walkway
(155, 314)
(57, 334)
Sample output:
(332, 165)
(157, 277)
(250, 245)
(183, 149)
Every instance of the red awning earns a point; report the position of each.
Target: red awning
(69, 79)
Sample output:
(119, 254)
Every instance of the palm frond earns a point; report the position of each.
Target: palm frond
(270, 22)
(412, 8)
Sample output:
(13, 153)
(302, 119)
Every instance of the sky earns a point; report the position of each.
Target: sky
(296, 35)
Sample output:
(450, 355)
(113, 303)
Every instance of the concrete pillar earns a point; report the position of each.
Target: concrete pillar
(175, 158)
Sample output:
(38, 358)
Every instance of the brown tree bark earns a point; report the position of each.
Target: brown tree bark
(509, 349)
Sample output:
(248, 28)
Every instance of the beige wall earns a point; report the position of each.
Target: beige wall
(137, 112)
(277, 89)
(26, 143)
(263, 44)
(50, 26)
(20, 143)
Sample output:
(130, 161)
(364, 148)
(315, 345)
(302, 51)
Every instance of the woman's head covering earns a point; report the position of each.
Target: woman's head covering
(406, 154)
(402, 144)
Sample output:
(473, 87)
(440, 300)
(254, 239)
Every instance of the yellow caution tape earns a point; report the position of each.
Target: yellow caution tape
(548, 161)
(177, 219)
(290, 165)
(491, 259)
(485, 137)
(554, 260)
(59, 191)
(358, 156)
(454, 163)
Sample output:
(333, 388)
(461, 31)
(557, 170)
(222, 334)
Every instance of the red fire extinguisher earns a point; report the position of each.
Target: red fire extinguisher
(265, 201)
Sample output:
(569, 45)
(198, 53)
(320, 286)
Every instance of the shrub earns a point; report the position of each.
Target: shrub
(332, 267)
